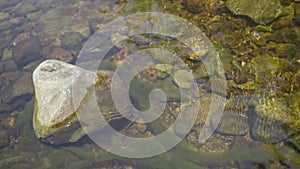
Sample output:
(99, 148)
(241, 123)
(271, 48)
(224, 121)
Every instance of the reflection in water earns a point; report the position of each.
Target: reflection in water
(259, 58)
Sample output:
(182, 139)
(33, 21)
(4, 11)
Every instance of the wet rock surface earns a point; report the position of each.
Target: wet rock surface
(234, 121)
(260, 11)
(16, 89)
(5, 39)
(272, 121)
(8, 3)
(71, 40)
(54, 116)
(60, 54)
(27, 51)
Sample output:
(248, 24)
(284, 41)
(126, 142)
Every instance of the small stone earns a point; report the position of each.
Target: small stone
(20, 88)
(183, 79)
(297, 9)
(5, 39)
(3, 16)
(8, 66)
(260, 11)
(33, 65)
(7, 80)
(7, 54)
(118, 37)
(17, 20)
(5, 25)
(61, 54)
(142, 127)
(193, 6)
(217, 144)
(234, 121)
(296, 20)
(7, 108)
(271, 121)
(71, 40)
(27, 51)
(296, 141)
(33, 16)
(8, 3)
(23, 86)
(83, 28)
(265, 66)
(170, 89)
(25, 8)
(163, 70)
(283, 22)
(165, 58)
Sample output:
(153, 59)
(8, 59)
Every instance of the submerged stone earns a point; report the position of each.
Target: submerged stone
(16, 89)
(3, 16)
(61, 54)
(71, 40)
(260, 11)
(183, 79)
(271, 121)
(266, 66)
(5, 39)
(27, 51)
(21, 89)
(8, 3)
(234, 121)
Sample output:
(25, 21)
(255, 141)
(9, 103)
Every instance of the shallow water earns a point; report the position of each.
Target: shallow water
(260, 125)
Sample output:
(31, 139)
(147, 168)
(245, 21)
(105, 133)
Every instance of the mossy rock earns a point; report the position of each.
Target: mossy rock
(260, 11)
(272, 121)
(265, 67)
(234, 121)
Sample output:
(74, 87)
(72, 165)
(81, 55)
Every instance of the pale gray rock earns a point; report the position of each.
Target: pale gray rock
(55, 114)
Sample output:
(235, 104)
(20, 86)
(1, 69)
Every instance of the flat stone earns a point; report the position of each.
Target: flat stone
(12, 93)
(17, 20)
(21, 88)
(234, 122)
(26, 8)
(5, 25)
(8, 66)
(3, 16)
(27, 51)
(183, 79)
(8, 3)
(260, 11)
(5, 39)
(61, 54)
(272, 121)
(83, 28)
(71, 40)
(7, 80)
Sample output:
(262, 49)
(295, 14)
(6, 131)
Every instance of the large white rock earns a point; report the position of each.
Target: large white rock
(54, 104)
